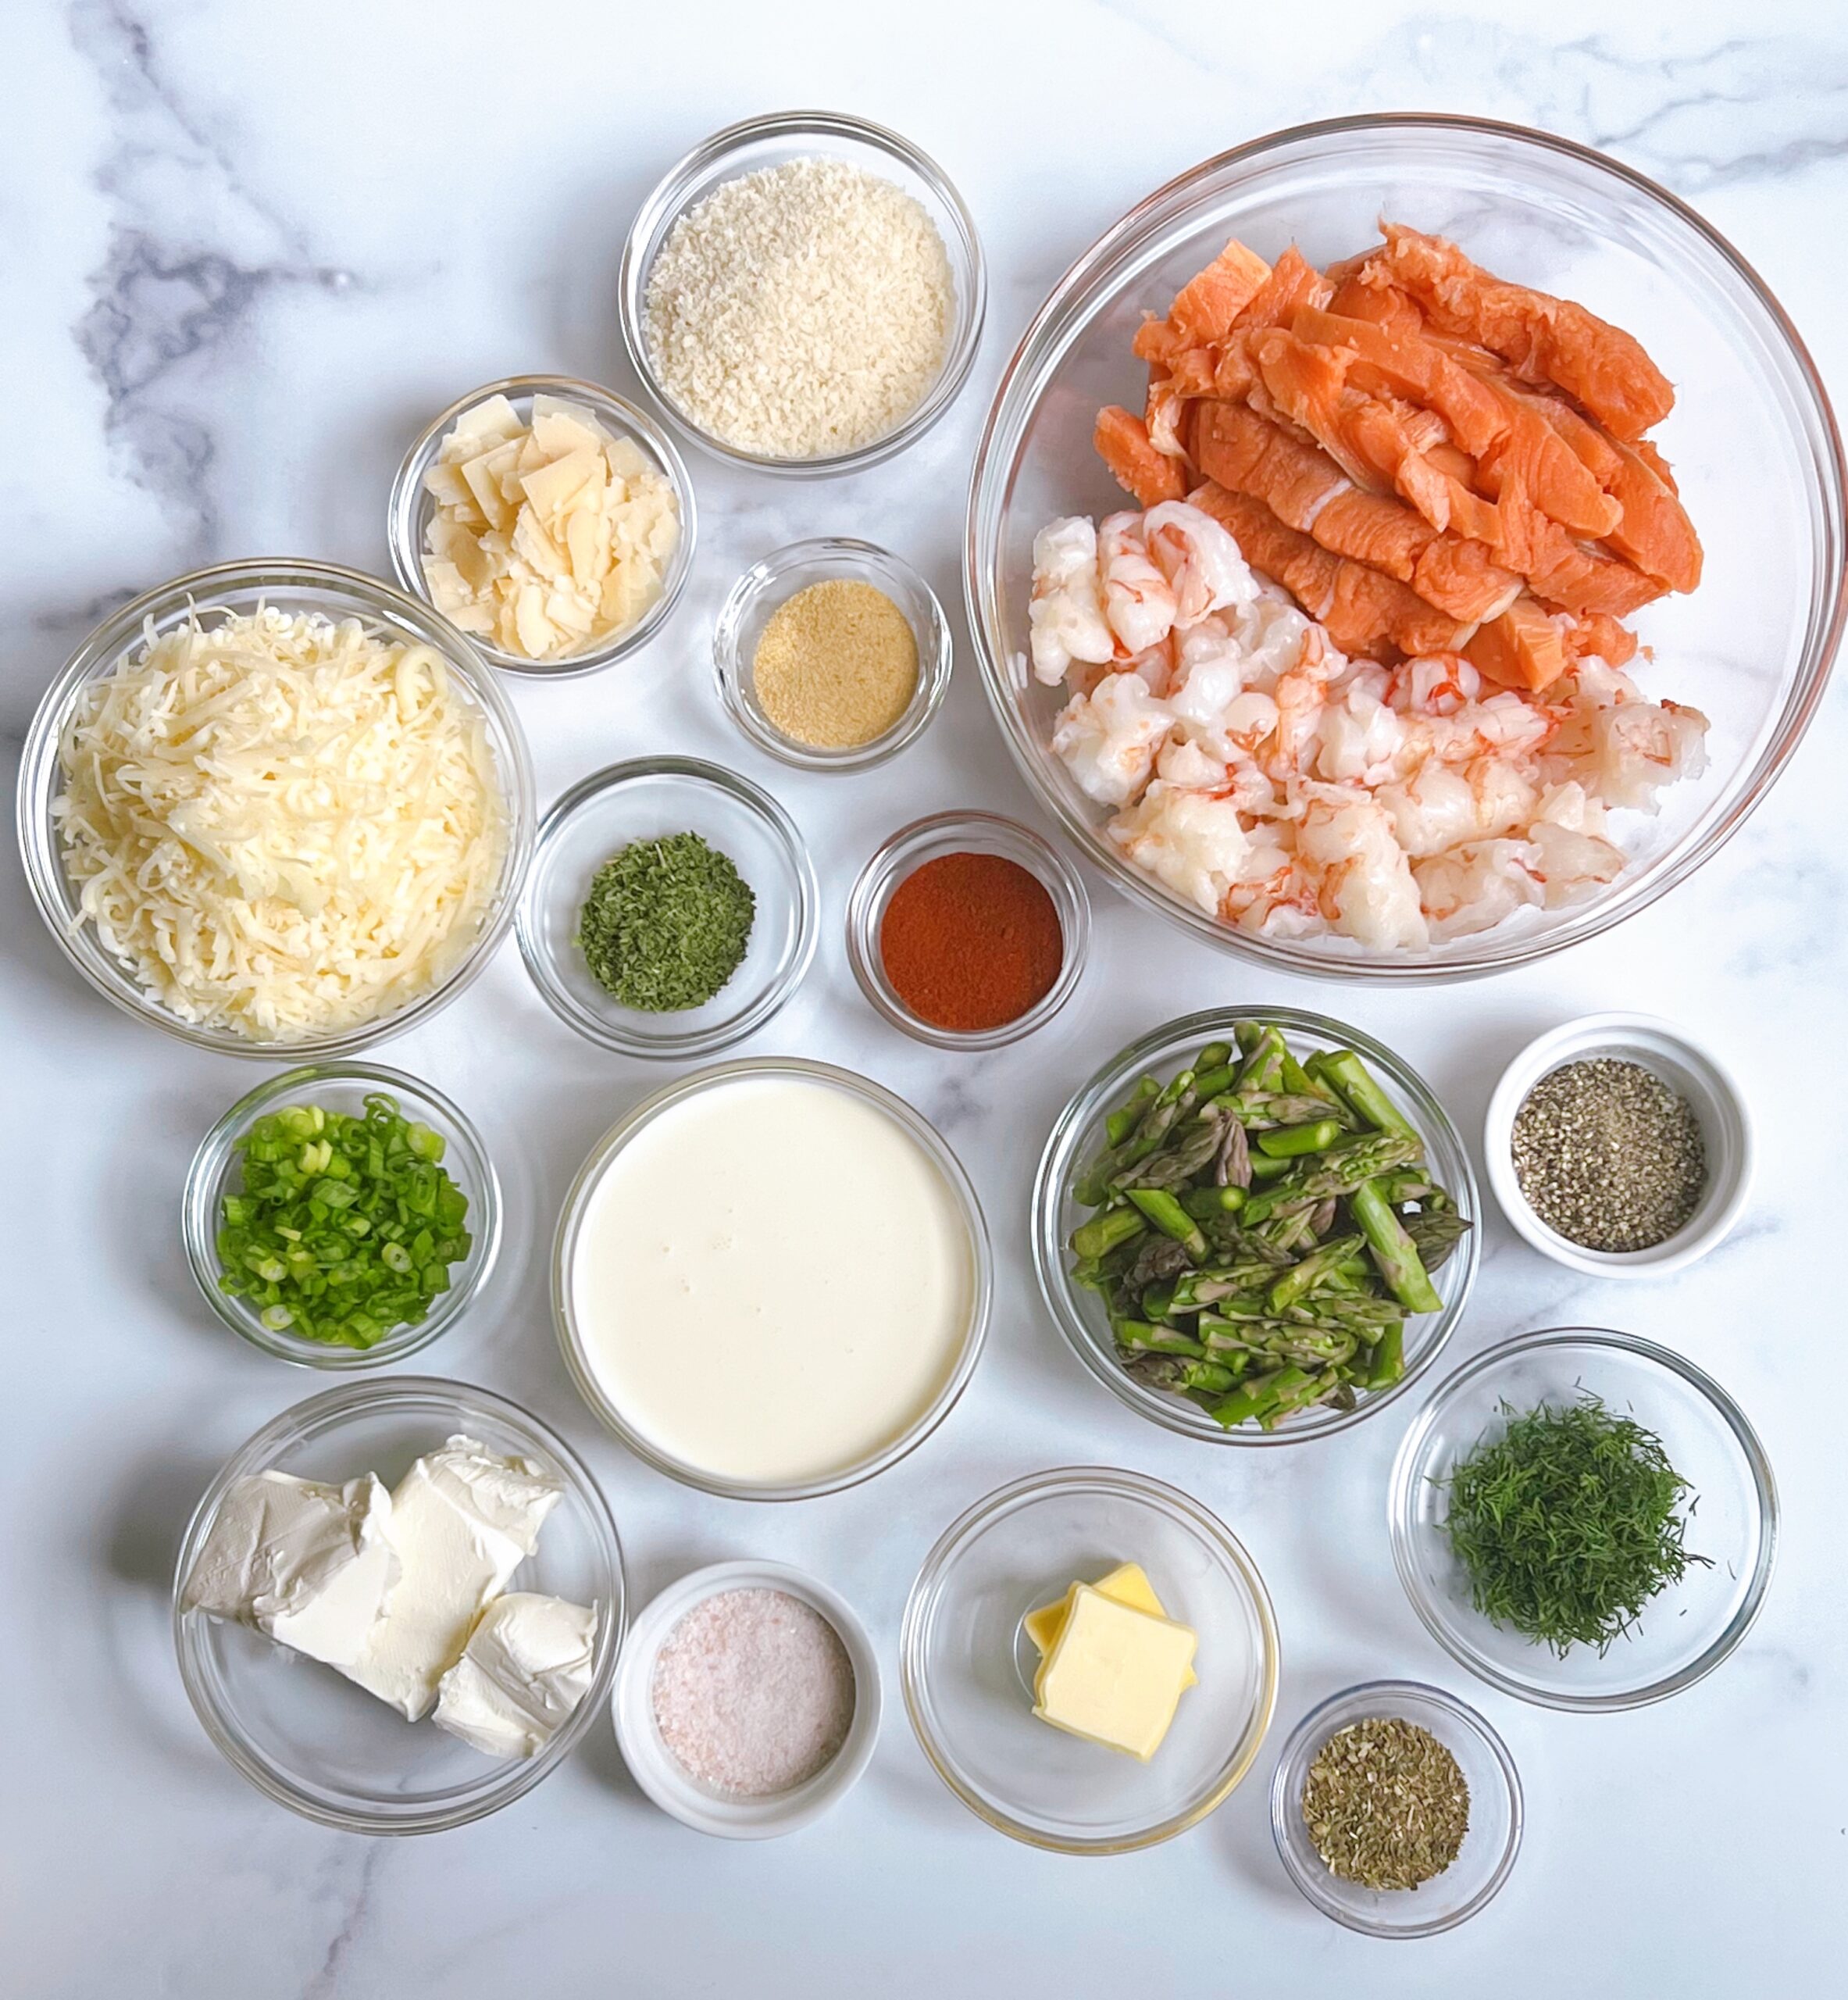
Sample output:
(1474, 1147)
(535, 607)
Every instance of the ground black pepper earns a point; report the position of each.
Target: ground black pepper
(1609, 1154)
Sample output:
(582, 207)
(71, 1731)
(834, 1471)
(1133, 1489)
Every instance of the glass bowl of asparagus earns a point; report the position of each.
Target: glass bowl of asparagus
(1255, 1226)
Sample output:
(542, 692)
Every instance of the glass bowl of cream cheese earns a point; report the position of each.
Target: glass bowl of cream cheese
(398, 1605)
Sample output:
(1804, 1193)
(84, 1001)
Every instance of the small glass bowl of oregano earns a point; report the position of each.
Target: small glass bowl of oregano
(1584, 1519)
(1396, 1810)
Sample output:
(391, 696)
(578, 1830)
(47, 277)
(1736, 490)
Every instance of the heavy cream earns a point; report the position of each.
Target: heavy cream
(772, 1279)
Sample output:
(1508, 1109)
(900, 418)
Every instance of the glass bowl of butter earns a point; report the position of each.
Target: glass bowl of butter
(398, 1605)
(1089, 1660)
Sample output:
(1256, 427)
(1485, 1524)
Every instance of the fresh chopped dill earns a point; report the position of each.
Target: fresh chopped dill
(1568, 1523)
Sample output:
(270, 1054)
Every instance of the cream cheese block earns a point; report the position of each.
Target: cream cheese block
(527, 1666)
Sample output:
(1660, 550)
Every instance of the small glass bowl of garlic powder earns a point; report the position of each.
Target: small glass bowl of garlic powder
(550, 520)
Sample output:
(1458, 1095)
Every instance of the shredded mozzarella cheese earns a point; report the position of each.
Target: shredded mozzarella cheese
(283, 827)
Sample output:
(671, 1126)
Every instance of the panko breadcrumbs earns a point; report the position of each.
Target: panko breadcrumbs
(801, 310)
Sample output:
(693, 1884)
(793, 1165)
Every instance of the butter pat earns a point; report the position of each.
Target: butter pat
(461, 1522)
(1128, 1583)
(308, 1564)
(1116, 1674)
(527, 1666)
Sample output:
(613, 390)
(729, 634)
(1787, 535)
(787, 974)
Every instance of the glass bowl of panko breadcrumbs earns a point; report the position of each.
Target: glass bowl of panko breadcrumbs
(833, 655)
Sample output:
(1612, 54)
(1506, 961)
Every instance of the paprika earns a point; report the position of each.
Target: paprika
(970, 942)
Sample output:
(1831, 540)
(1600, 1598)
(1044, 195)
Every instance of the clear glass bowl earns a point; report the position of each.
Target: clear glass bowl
(967, 1664)
(1732, 1517)
(577, 1201)
(216, 1171)
(1752, 648)
(771, 141)
(964, 833)
(767, 585)
(642, 800)
(1487, 1855)
(318, 587)
(1079, 1314)
(310, 1739)
(410, 509)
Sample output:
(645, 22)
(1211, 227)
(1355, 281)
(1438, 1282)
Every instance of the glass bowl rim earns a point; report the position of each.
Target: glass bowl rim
(935, 654)
(214, 1157)
(327, 1409)
(1793, 719)
(1389, 1697)
(1406, 1470)
(768, 814)
(376, 601)
(1049, 1483)
(988, 833)
(407, 488)
(668, 200)
(916, 1126)
(1088, 1100)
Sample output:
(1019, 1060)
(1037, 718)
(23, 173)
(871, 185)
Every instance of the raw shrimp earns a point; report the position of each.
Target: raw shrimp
(1264, 778)
(1200, 561)
(1109, 738)
(1066, 615)
(1138, 600)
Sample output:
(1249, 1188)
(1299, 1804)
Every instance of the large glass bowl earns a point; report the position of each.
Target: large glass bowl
(967, 1664)
(1079, 1314)
(311, 1740)
(1732, 1512)
(243, 588)
(1751, 438)
(758, 143)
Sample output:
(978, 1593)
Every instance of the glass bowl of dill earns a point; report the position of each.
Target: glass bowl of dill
(1584, 1520)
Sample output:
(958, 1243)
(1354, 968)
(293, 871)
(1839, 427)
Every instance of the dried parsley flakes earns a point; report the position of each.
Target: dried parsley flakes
(1385, 1803)
(666, 923)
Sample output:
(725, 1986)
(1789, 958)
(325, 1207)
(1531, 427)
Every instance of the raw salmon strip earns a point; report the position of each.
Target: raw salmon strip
(1206, 307)
(1522, 648)
(1600, 635)
(1543, 339)
(1573, 578)
(1306, 490)
(1122, 440)
(1502, 435)
(1366, 614)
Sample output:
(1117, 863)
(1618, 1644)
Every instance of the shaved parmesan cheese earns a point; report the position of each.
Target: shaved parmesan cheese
(283, 826)
(549, 538)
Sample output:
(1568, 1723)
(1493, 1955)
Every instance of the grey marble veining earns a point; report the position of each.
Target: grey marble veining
(244, 252)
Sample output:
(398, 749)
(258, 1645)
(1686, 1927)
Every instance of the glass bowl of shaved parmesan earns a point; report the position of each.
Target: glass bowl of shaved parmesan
(550, 520)
(277, 807)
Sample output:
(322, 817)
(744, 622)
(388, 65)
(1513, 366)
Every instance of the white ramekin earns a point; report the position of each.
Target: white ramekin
(1701, 1078)
(656, 1770)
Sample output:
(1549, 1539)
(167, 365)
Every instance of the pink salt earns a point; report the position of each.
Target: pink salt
(753, 1692)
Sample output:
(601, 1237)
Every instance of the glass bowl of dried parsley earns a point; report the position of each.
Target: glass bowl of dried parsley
(1584, 1520)
(670, 908)
(1396, 1810)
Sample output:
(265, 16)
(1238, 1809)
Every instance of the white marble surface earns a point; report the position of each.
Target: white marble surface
(244, 251)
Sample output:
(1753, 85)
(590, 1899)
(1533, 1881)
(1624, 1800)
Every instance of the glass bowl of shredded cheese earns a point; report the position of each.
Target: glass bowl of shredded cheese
(550, 520)
(776, 227)
(276, 807)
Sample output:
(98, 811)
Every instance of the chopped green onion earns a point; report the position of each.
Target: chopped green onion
(345, 1227)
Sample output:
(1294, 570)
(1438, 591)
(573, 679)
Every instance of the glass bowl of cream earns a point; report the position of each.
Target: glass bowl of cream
(771, 1279)
(311, 1737)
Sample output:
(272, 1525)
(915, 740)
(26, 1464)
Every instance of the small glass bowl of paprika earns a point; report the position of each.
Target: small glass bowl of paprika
(966, 930)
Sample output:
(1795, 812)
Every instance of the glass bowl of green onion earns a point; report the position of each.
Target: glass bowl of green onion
(341, 1216)
(1584, 1520)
